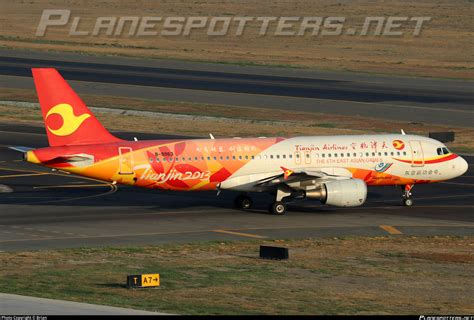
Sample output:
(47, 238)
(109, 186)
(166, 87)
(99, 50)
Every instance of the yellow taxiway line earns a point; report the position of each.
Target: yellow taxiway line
(24, 175)
(73, 186)
(240, 234)
(390, 229)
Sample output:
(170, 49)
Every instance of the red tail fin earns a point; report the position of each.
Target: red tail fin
(67, 119)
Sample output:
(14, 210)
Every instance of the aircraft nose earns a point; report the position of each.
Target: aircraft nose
(462, 166)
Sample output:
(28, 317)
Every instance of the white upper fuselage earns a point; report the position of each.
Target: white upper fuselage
(390, 158)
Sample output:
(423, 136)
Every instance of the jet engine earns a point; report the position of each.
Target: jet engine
(340, 193)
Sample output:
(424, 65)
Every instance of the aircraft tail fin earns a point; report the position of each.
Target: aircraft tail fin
(67, 119)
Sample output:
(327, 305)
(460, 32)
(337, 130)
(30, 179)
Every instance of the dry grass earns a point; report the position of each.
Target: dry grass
(381, 275)
(444, 49)
(229, 121)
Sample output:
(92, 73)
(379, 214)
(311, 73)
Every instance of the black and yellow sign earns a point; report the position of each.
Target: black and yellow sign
(143, 280)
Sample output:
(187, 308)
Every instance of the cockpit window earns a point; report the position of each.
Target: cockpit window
(442, 151)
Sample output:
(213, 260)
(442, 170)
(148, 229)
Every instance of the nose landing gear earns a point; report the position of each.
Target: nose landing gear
(406, 195)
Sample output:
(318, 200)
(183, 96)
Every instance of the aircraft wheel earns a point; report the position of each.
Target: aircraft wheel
(407, 202)
(243, 202)
(278, 208)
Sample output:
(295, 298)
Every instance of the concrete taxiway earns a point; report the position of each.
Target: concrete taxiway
(12, 304)
(48, 209)
(435, 101)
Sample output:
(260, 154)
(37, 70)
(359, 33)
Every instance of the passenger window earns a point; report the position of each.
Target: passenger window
(366, 154)
(373, 154)
(151, 159)
(208, 158)
(271, 156)
(324, 155)
(290, 156)
(284, 156)
(335, 155)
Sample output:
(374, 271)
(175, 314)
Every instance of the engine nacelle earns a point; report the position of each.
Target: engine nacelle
(341, 193)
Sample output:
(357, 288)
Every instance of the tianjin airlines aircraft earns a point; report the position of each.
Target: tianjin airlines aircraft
(335, 170)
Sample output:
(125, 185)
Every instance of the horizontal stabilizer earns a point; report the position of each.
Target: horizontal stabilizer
(21, 149)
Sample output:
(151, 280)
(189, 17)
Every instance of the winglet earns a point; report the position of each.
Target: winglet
(286, 172)
(403, 132)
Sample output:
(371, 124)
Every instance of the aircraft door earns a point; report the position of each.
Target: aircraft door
(125, 160)
(417, 155)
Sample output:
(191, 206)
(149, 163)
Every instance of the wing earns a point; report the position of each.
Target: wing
(302, 179)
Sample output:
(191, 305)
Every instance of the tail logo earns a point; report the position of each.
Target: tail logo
(70, 123)
(398, 144)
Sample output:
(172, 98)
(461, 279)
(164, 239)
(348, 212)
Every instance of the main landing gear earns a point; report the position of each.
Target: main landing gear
(243, 201)
(279, 207)
(406, 195)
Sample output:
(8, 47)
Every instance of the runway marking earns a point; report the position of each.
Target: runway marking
(240, 234)
(390, 229)
(24, 175)
(73, 186)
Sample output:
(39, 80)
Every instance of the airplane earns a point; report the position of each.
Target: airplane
(335, 170)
